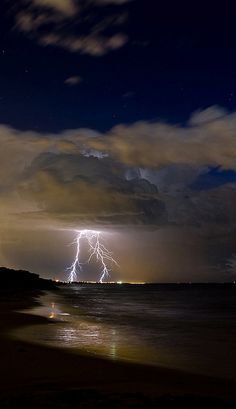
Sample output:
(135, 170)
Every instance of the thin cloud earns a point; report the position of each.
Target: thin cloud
(117, 2)
(66, 7)
(74, 80)
(59, 23)
(95, 46)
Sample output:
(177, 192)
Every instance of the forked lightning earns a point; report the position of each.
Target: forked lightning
(97, 250)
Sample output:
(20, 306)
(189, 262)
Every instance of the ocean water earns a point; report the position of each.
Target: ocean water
(189, 327)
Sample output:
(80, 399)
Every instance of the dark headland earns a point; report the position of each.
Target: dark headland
(33, 376)
(23, 280)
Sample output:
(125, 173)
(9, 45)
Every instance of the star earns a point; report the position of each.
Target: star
(231, 96)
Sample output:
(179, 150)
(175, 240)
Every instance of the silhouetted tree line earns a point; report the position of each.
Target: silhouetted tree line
(21, 279)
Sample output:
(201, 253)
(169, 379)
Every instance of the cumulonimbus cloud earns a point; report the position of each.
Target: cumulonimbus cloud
(50, 177)
(202, 142)
(82, 174)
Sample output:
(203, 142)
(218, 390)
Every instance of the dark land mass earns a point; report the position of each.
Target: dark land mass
(33, 376)
(23, 280)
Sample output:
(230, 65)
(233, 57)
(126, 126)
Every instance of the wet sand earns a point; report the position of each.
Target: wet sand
(47, 377)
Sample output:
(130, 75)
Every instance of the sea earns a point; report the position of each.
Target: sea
(191, 327)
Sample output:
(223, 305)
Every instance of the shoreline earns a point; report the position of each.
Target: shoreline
(54, 308)
(29, 368)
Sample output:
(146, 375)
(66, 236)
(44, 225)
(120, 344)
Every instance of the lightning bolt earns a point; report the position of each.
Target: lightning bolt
(76, 266)
(96, 250)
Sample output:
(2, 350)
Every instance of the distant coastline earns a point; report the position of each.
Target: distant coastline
(23, 279)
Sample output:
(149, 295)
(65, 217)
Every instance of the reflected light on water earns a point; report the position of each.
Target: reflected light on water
(150, 325)
(53, 311)
(80, 333)
(113, 344)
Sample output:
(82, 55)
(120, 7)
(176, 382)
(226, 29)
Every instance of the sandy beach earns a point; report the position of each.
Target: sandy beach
(40, 375)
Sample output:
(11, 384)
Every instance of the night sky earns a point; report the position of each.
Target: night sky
(119, 115)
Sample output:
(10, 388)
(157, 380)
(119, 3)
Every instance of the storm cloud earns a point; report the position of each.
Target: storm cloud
(134, 176)
(208, 139)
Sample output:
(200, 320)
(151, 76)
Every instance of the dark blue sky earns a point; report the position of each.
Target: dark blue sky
(176, 61)
(213, 178)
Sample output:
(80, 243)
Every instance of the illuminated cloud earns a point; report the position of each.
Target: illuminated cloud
(85, 179)
(83, 176)
(104, 2)
(73, 188)
(66, 7)
(208, 140)
(209, 114)
(48, 177)
(94, 45)
(60, 23)
(75, 80)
